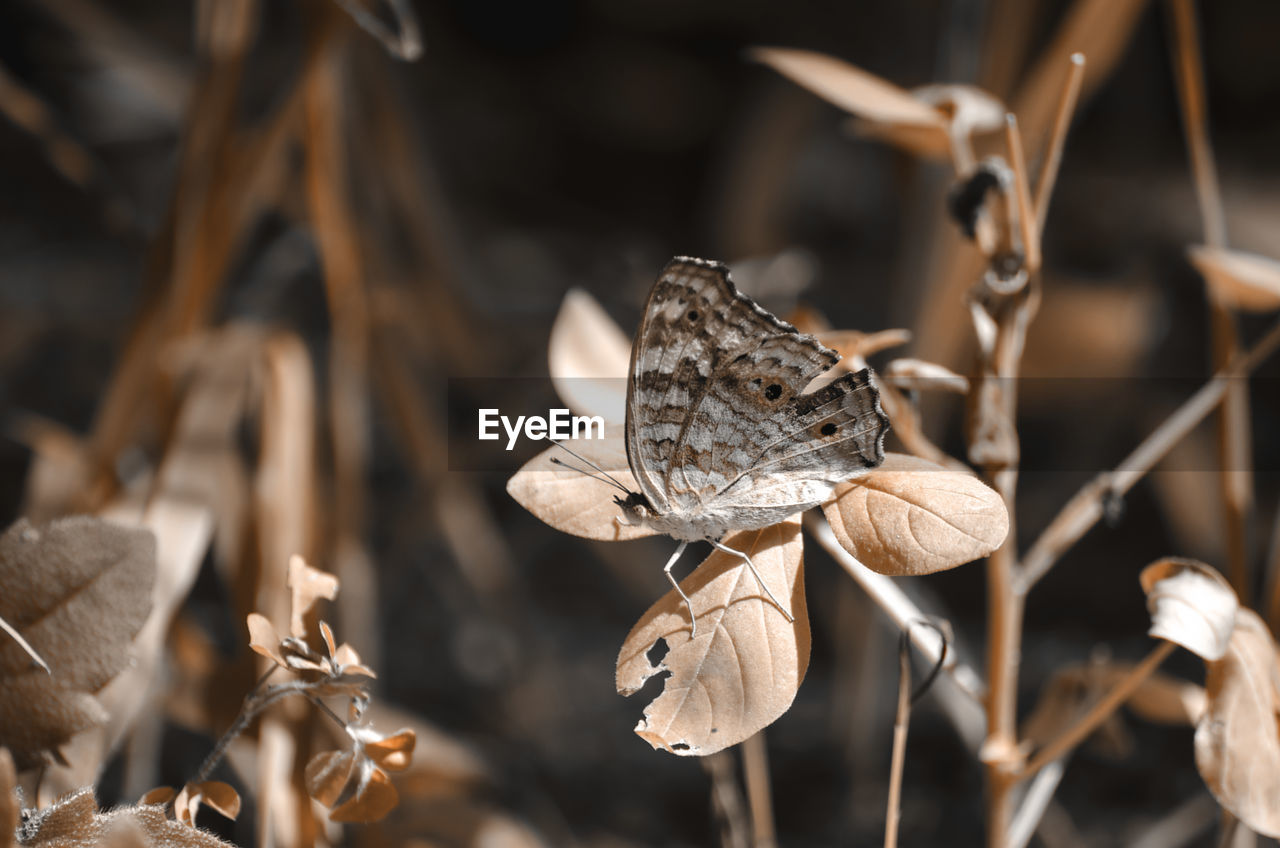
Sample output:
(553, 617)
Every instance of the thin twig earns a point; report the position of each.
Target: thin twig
(755, 769)
(1058, 139)
(1086, 507)
(901, 724)
(406, 44)
(1099, 712)
(1036, 802)
(24, 644)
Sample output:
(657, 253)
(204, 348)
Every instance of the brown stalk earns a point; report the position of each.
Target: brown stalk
(1058, 138)
(727, 802)
(1234, 434)
(1086, 506)
(1099, 712)
(901, 724)
(755, 769)
(1028, 228)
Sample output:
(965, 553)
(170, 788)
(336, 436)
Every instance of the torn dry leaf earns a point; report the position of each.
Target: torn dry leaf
(572, 502)
(1244, 281)
(1191, 604)
(78, 590)
(588, 357)
(742, 671)
(1237, 740)
(911, 516)
(74, 822)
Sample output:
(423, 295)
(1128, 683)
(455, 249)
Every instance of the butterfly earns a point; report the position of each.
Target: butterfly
(720, 433)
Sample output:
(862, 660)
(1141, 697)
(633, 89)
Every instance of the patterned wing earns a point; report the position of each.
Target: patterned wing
(715, 403)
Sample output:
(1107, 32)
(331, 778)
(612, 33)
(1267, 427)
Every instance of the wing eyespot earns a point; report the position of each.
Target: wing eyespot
(773, 391)
(692, 316)
(828, 429)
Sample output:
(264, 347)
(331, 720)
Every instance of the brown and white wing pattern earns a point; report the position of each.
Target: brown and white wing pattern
(716, 415)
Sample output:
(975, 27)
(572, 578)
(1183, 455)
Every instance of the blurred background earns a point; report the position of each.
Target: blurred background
(178, 178)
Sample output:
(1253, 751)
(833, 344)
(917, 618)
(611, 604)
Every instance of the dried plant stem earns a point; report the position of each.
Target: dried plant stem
(1004, 635)
(1100, 711)
(1027, 225)
(726, 800)
(901, 724)
(962, 701)
(755, 769)
(1086, 507)
(1234, 436)
(1058, 139)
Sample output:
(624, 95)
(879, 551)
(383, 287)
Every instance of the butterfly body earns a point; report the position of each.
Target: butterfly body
(721, 434)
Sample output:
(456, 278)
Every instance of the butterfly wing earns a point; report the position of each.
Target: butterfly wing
(715, 403)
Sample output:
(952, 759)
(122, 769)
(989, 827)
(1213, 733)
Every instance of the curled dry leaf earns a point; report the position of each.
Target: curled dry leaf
(307, 585)
(78, 590)
(1237, 740)
(1240, 280)
(572, 502)
(911, 516)
(1191, 604)
(213, 794)
(743, 670)
(264, 640)
(75, 822)
(353, 783)
(588, 357)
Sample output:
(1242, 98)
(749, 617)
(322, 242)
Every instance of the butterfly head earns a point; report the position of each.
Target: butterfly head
(636, 508)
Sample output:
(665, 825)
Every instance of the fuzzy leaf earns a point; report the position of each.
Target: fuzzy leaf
(1241, 280)
(78, 590)
(742, 671)
(74, 822)
(911, 516)
(571, 501)
(588, 357)
(1237, 740)
(1191, 605)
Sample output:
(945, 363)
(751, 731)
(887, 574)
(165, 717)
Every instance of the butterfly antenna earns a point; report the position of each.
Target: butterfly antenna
(607, 477)
(609, 480)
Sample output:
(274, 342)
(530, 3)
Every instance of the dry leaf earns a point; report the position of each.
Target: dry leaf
(742, 671)
(572, 502)
(78, 590)
(588, 357)
(159, 796)
(75, 822)
(307, 585)
(354, 782)
(1191, 604)
(213, 794)
(372, 800)
(1237, 740)
(911, 516)
(1240, 280)
(264, 639)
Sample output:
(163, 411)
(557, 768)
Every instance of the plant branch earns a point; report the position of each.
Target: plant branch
(1099, 712)
(901, 724)
(755, 768)
(1027, 226)
(1080, 513)
(1035, 802)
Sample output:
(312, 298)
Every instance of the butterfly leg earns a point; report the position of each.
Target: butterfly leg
(693, 622)
(751, 565)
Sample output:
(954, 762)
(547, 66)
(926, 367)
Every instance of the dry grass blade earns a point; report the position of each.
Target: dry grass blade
(588, 356)
(78, 590)
(1191, 604)
(851, 88)
(571, 501)
(1239, 280)
(1238, 739)
(742, 671)
(911, 516)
